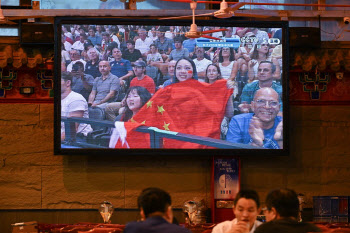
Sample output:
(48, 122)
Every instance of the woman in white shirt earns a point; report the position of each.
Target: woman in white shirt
(261, 53)
(227, 63)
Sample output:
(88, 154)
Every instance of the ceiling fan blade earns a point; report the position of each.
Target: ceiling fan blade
(176, 17)
(210, 37)
(214, 30)
(206, 14)
(237, 6)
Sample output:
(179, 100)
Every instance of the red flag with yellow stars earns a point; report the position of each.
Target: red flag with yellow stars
(189, 107)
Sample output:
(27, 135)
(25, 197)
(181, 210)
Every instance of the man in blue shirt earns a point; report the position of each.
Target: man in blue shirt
(179, 51)
(190, 45)
(262, 128)
(156, 213)
(164, 45)
(95, 39)
(265, 79)
(121, 67)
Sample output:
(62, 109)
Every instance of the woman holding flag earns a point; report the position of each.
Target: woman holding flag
(186, 106)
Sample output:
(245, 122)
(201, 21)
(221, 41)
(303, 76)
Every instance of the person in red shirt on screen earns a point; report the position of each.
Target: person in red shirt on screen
(141, 78)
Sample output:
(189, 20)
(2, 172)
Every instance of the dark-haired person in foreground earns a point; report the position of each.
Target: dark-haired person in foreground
(282, 208)
(246, 208)
(156, 211)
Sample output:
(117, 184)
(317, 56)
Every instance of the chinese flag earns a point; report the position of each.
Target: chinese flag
(189, 107)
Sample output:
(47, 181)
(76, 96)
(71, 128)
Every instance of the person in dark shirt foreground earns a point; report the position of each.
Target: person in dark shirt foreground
(156, 211)
(282, 208)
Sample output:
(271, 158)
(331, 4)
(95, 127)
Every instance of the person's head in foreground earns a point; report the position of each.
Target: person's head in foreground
(155, 202)
(136, 97)
(246, 207)
(281, 203)
(185, 69)
(282, 209)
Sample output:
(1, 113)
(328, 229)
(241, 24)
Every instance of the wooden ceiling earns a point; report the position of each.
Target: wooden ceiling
(278, 14)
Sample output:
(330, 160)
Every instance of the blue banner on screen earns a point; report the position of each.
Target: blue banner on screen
(223, 42)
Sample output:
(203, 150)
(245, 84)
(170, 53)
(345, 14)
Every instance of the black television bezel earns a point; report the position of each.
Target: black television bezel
(231, 22)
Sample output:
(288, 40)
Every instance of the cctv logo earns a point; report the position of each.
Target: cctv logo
(274, 41)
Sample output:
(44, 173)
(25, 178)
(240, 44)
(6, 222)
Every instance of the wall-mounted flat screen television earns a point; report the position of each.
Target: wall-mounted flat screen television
(148, 86)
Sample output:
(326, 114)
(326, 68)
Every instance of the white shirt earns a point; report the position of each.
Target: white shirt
(78, 45)
(67, 46)
(68, 34)
(115, 39)
(224, 227)
(65, 56)
(69, 67)
(226, 70)
(143, 45)
(75, 102)
(169, 34)
(217, 34)
(202, 64)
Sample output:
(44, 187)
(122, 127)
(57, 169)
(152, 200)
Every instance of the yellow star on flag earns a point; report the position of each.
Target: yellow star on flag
(149, 104)
(160, 109)
(143, 122)
(166, 126)
(132, 120)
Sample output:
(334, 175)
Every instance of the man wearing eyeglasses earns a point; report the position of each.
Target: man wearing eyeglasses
(263, 127)
(75, 57)
(281, 211)
(266, 70)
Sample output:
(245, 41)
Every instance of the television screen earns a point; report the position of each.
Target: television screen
(158, 86)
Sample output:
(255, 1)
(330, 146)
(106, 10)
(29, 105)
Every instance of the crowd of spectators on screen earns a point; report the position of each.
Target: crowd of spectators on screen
(128, 56)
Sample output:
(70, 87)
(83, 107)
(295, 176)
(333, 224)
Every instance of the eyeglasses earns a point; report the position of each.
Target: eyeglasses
(271, 103)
